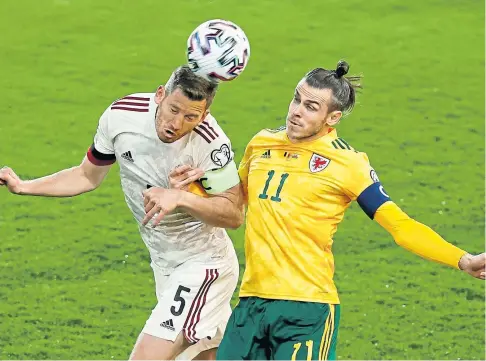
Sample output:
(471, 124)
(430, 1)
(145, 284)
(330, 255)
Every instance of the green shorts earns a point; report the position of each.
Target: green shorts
(263, 329)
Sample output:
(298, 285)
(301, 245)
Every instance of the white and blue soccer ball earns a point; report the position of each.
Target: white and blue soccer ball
(218, 50)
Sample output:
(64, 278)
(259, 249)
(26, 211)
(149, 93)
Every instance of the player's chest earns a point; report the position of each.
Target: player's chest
(143, 155)
(298, 173)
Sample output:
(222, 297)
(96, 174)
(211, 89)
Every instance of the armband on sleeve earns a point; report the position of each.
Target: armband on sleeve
(372, 198)
(98, 158)
(220, 180)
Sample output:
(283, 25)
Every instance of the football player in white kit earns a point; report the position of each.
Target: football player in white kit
(193, 259)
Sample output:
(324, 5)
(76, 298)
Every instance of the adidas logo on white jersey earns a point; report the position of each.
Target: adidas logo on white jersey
(168, 324)
(127, 156)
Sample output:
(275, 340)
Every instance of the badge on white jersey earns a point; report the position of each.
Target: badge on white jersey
(318, 163)
(221, 156)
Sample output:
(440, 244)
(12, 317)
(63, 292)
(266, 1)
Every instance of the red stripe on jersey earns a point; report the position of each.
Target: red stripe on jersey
(96, 161)
(136, 98)
(132, 103)
(202, 127)
(202, 135)
(210, 128)
(142, 110)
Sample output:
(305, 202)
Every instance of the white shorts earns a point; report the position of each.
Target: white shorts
(194, 299)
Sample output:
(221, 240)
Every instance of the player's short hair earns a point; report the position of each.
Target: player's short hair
(192, 86)
(343, 88)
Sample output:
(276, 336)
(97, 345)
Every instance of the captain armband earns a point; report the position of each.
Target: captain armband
(372, 198)
(220, 180)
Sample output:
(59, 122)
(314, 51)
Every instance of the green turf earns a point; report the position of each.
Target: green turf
(75, 281)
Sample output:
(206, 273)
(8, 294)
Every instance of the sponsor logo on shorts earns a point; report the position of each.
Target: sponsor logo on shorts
(168, 325)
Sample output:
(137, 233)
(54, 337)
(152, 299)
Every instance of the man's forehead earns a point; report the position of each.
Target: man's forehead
(183, 101)
(319, 95)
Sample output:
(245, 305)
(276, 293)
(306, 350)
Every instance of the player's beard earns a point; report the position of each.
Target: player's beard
(159, 128)
(299, 131)
(294, 130)
(165, 134)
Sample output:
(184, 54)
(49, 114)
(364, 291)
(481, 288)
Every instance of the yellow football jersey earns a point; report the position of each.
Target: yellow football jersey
(297, 195)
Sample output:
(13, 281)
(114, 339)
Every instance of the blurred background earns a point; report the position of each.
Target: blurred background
(75, 281)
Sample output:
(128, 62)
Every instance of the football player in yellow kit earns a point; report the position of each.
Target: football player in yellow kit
(298, 181)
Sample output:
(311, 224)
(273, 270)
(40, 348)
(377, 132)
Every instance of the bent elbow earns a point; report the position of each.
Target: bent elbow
(237, 220)
(235, 224)
(91, 187)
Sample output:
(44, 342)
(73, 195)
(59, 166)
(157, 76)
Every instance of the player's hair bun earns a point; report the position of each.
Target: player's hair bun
(342, 68)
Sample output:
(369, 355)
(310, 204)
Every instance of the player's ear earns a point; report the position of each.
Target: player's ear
(159, 94)
(205, 114)
(334, 117)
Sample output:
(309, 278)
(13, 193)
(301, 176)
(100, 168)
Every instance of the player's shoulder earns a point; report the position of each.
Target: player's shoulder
(340, 144)
(132, 104)
(209, 132)
(359, 159)
(128, 113)
(344, 149)
(354, 161)
(211, 146)
(269, 136)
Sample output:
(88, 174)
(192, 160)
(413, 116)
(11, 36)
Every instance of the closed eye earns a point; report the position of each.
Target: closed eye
(191, 118)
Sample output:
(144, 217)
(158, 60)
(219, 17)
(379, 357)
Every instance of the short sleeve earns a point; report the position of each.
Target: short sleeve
(102, 151)
(360, 176)
(216, 157)
(364, 186)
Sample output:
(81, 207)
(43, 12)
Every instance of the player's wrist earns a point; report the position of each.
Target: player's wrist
(22, 188)
(464, 262)
(183, 198)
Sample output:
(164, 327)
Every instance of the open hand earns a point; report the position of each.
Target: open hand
(159, 200)
(182, 176)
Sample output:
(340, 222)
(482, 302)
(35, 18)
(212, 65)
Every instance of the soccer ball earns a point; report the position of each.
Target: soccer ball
(218, 50)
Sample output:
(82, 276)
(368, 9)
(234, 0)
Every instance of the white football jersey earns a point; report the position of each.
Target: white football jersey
(126, 131)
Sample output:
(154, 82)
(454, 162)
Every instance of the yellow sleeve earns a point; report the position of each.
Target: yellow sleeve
(360, 176)
(417, 237)
(244, 168)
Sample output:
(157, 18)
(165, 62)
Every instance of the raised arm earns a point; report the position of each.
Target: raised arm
(366, 188)
(73, 181)
(65, 183)
(423, 241)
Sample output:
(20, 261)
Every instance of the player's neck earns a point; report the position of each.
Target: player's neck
(324, 131)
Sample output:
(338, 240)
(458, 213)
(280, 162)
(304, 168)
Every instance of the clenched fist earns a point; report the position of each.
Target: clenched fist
(10, 179)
